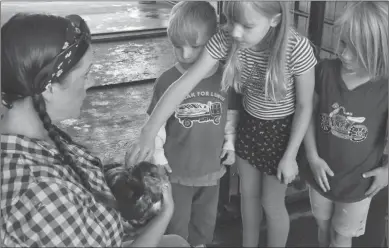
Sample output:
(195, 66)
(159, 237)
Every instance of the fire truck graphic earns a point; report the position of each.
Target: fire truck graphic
(198, 112)
(341, 124)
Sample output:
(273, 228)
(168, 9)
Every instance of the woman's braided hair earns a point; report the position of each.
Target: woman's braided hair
(55, 135)
(37, 47)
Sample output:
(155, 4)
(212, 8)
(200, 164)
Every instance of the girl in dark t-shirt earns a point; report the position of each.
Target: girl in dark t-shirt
(347, 136)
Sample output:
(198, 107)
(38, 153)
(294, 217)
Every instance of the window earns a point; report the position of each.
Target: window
(102, 17)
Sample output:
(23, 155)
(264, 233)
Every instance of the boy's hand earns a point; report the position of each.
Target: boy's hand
(228, 157)
(320, 169)
(380, 175)
(287, 170)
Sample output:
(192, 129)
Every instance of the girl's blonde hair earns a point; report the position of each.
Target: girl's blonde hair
(275, 84)
(365, 25)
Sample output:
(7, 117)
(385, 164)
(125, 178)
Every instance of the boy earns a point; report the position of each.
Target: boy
(192, 139)
(346, 140)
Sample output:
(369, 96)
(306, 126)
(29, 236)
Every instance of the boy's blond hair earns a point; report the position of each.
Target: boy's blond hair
(190, 19)
(365, 25)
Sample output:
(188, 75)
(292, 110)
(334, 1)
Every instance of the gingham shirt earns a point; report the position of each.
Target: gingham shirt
(299, 59)
(44, 203)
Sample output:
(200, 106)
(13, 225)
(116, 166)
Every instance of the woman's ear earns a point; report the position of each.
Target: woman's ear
(51, 92)
(48, 93)
(275, 20)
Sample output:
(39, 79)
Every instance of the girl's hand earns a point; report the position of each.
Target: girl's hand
(228, 157)
(166, 167)
(168, 203)
(287, 169)
(141, 150)
(320, 170)
(380, 175)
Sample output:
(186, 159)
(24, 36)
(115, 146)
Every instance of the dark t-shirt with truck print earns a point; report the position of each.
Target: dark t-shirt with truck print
(195, 132)
(351, 128)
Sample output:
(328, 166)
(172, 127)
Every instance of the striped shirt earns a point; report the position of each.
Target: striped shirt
(299, 59)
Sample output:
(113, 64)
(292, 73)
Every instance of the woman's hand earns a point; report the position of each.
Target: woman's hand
(287, 169)
(320, 170)
(168, 202)
(154, 230)
(141, 150)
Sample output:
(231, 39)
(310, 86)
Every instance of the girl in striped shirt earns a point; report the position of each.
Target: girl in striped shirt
(271, 65)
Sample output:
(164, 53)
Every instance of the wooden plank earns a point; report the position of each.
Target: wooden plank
(330, 10)
(305, 6)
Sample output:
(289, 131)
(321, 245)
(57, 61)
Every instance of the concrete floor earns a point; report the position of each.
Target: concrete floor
(303, 230)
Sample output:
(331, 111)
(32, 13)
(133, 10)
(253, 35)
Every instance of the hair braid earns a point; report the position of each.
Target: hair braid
(55, 134)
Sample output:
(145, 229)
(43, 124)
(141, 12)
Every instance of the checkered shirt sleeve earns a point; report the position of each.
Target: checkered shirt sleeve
(43, 203)
(48, 215)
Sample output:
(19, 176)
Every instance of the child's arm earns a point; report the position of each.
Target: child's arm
(304, 97)
(305, 84)
(173, 96)
(176, 93)
(159, 157)
(310, 138)
(228, 151)
(303, 62)
(319, 167)
(234, 105)
(230, 130)
(380, 174)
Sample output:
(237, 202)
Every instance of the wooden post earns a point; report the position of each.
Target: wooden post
(316, 23)
(296, 17)
(222, 17)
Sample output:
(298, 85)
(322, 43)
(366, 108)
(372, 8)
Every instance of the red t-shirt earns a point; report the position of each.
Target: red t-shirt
(195, 132)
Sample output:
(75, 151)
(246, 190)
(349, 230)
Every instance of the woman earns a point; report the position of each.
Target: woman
(53, 190)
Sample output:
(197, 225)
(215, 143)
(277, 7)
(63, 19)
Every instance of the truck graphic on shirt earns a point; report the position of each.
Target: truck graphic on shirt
(188, 113)
(343, 125)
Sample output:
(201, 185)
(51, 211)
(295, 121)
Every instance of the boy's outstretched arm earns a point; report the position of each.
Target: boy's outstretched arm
(143, 148)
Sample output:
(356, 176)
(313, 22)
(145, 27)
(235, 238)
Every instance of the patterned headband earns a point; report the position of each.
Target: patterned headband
(61, 64)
